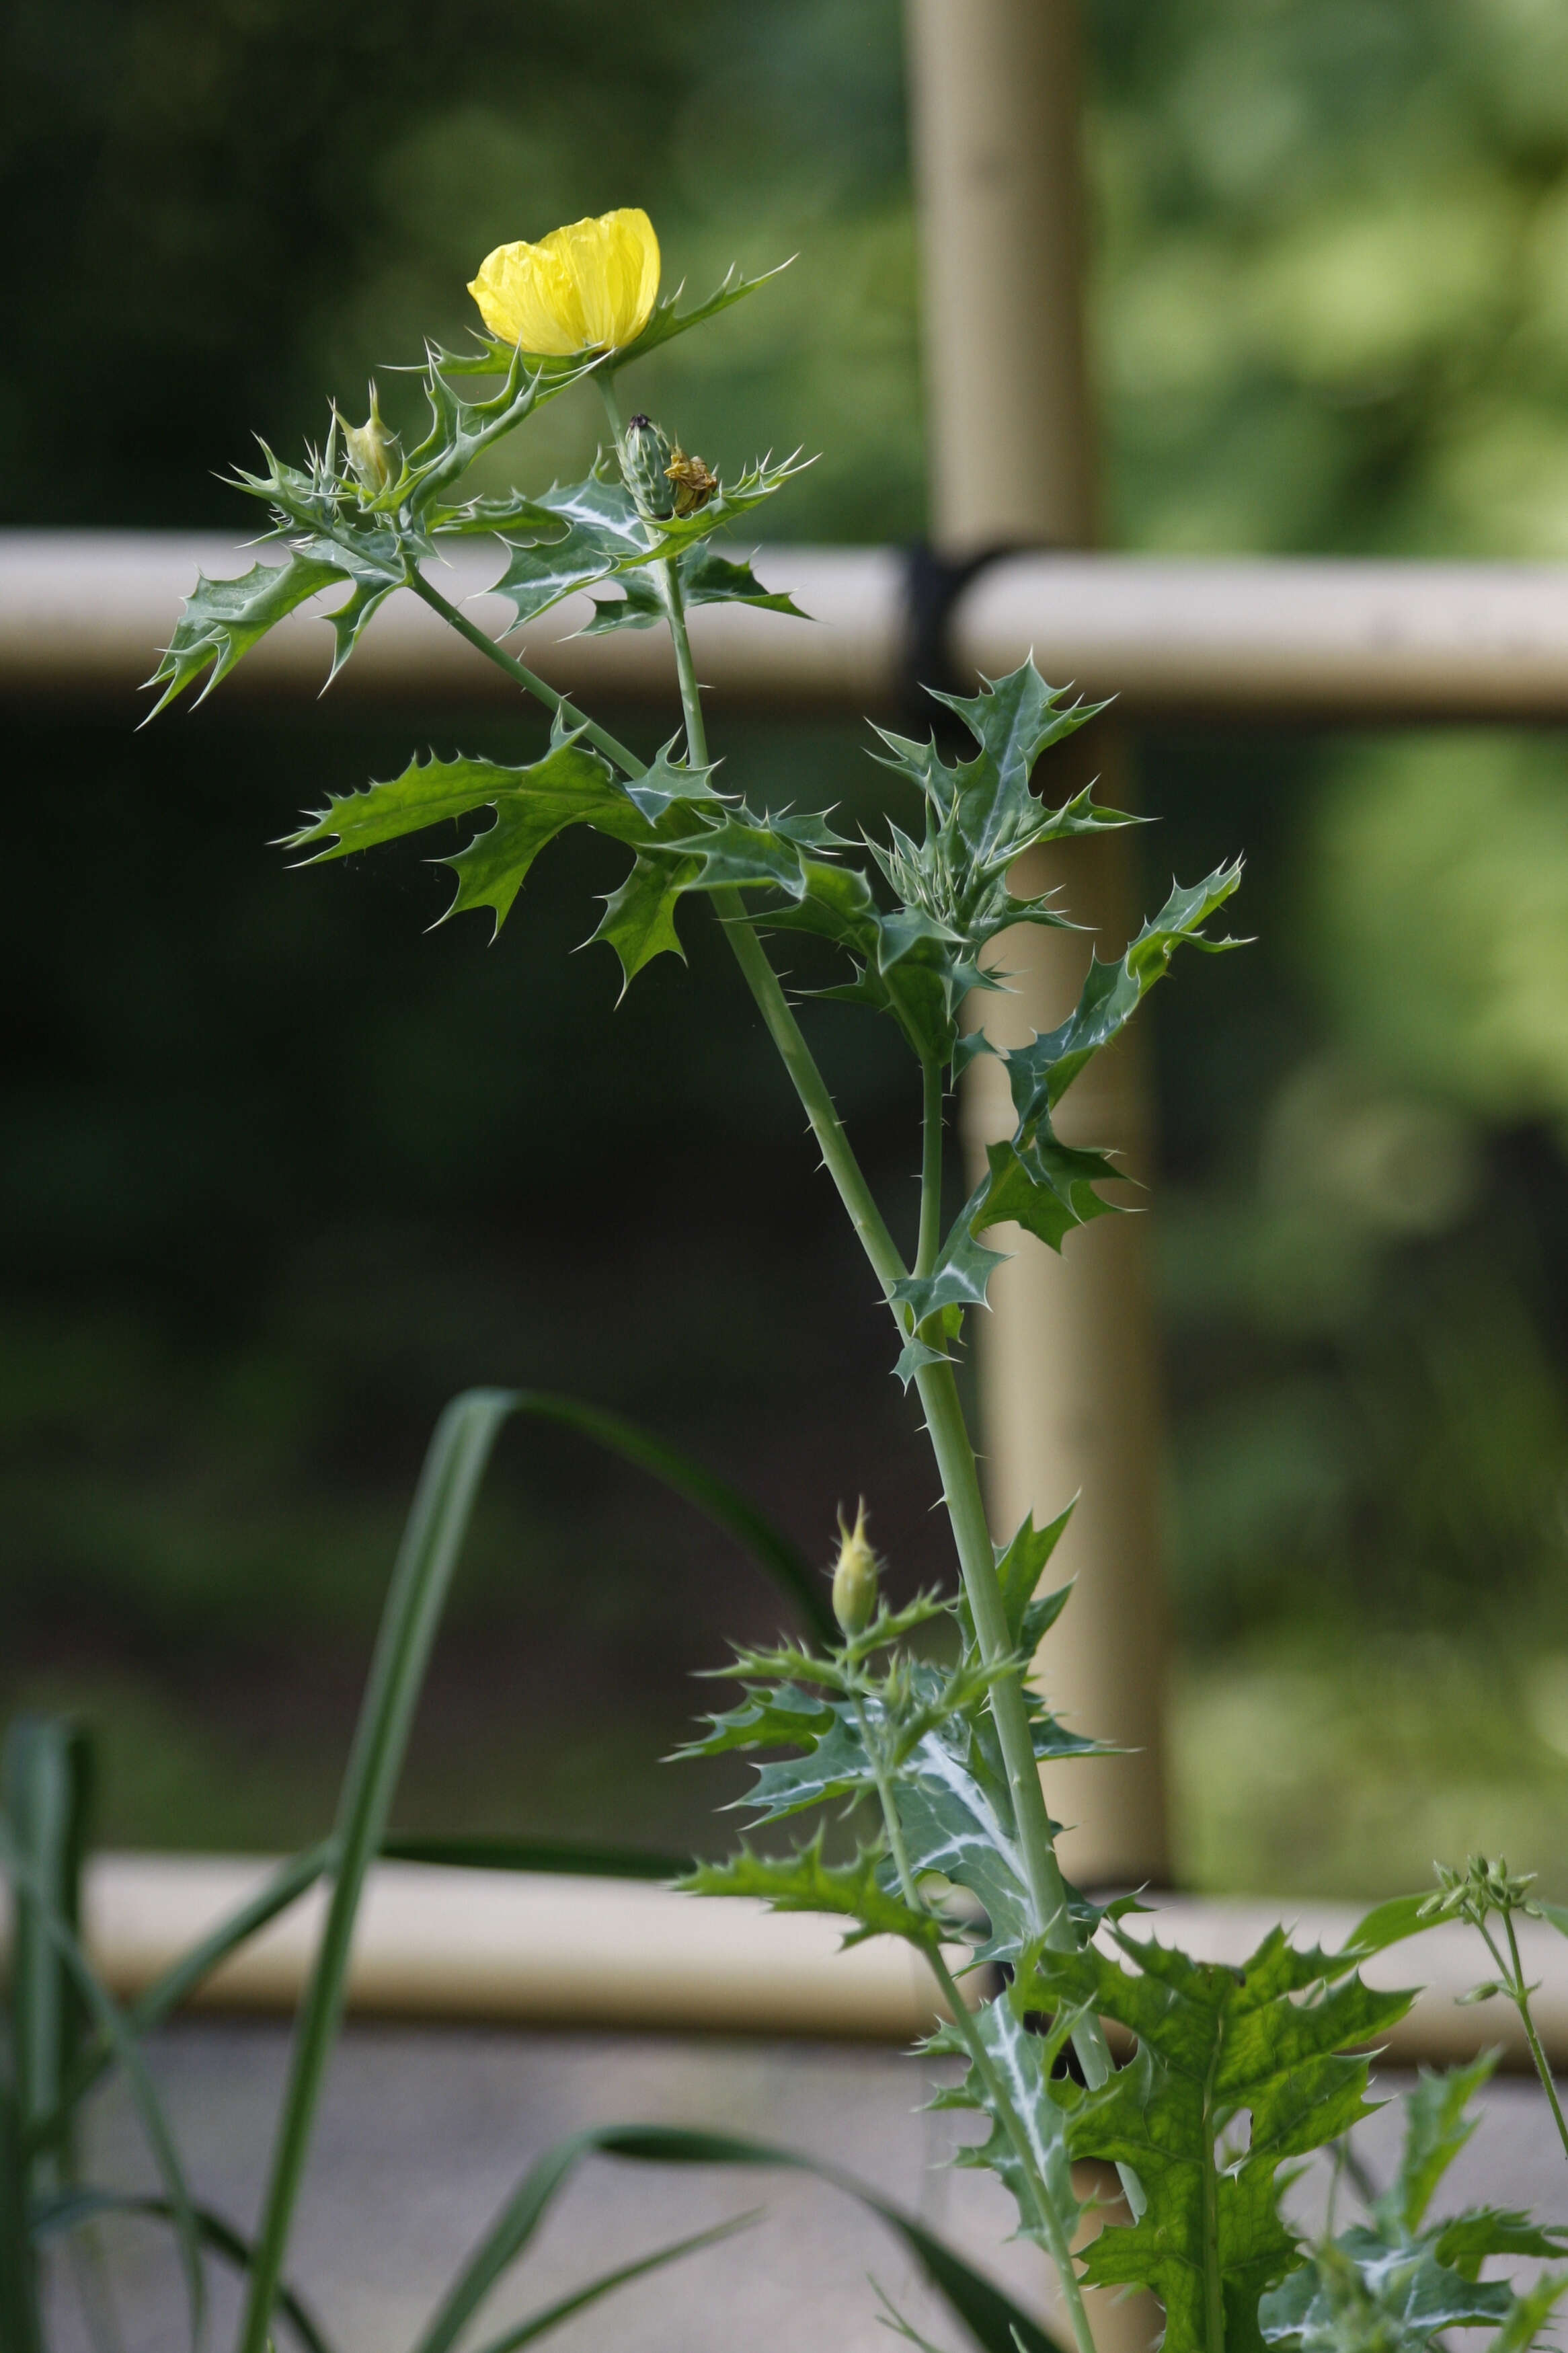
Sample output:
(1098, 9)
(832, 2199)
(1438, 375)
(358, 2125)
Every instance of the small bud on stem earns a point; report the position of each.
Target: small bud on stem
(855, 1576)
(373, 452)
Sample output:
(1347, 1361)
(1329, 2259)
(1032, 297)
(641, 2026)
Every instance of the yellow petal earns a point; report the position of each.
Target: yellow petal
(590, 286)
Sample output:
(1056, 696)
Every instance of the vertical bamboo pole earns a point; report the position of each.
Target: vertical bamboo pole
(1066, 1359)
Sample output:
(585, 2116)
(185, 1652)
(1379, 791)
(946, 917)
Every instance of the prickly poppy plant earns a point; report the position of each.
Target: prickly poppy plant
(1074, 2033)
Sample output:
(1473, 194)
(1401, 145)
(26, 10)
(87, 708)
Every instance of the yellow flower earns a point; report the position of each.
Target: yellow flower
(589, 287)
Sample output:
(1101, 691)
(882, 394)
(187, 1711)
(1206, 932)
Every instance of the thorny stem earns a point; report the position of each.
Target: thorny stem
(523, 676)
(1006, 2114)
(931, 1168)
(1521, 1993)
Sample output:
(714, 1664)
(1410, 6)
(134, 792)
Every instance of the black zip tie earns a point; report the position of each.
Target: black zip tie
(933, 586)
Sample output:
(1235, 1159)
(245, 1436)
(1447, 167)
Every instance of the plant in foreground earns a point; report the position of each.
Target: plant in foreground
(922, 1723)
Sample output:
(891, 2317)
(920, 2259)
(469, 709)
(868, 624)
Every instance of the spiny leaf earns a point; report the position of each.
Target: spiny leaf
(667, 780)
(585, 531)
(1436, 2127)
(1389, 2282)
(1039, 1075)
(706, 579)
(638, 921)
(806, 1882)
(668, 319)
(1359, 2293)
(1023, 2060)
(1035, 1180)
(962, 1270)
(1013, 720)
(1043, 1185)
(223, 619)
(591, 531)
(460, 430)
(1270, 2040)
(956, 1824)
(775, 1715)
(571, 785)
(1019, 1568)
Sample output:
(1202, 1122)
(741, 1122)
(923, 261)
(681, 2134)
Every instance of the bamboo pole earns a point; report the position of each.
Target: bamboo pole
(1066, 1359)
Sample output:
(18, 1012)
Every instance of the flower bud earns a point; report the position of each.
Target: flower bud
(855, 1576)
(694, 484)
(373, 452)
(645, 461)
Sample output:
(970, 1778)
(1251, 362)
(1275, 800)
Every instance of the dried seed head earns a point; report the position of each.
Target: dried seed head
(855, 1576)
(694, 483)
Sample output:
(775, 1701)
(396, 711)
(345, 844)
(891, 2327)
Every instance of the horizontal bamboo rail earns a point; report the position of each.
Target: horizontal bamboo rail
(543, 1950)
(1312, 638)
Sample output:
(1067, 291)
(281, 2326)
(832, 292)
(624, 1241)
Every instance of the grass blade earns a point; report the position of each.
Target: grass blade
(448, 1483)
(78, 2207)
(723, 1505)
(537, 1854)
(107, 2016)
(48, 1778)
(168, 1992)
(502, 2243)
(997, 2323)
(20, 2326)
(539, 2323)
(454, 1465)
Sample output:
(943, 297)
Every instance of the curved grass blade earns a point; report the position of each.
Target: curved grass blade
(722, 1504)
(563, 1855)
(78, 2207)
(443, 1503)
(110, 2022)
(539, 2323)
(998, 2323)
(504, 2241)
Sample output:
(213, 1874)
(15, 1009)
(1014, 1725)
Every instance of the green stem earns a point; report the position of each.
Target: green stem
(977, 1562)
(1521, 2002)
(838, 1156)
(520, 673)
(938, 1390)
(930, 1169)
(939, 1395)
(669, 577)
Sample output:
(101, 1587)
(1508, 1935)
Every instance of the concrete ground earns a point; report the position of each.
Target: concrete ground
(426, 2130)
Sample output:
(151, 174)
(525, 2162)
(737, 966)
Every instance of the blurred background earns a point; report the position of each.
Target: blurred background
(280, 1170)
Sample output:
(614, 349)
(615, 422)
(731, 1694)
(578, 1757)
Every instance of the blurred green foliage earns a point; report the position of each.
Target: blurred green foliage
(243, 1256)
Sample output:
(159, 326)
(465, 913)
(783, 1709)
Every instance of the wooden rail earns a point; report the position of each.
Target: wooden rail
(539, 1950)
(1312, 638)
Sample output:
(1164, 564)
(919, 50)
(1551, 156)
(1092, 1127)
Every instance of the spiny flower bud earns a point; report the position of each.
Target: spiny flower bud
(373, 452)
(645, 460)
(855, 1576)
(694, 483)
